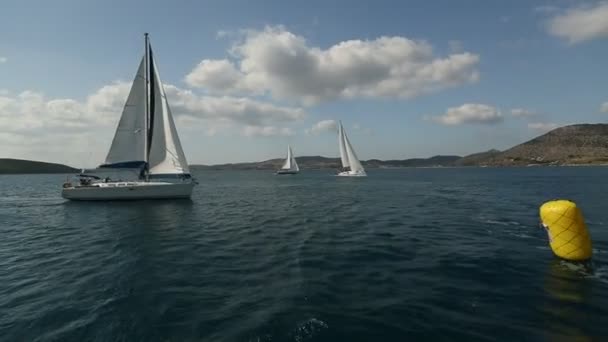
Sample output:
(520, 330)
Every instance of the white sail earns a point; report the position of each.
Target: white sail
(287, 164)
(355, 164)
(146, 138)
(294, 164)
(290, 161)
(128, 146)
(166, 154)
(342, 144)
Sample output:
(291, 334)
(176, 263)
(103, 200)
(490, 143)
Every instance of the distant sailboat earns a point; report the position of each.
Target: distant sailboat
(351, 166)
(146, 139)
(290, 167)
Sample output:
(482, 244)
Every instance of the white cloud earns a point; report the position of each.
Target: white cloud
(543, 126)
(267, 131)
(33, 113)
(323, 126)
(604, 107)
(470, 113)
(35, 126)
(284, 65)
(521, 112)
(215, 74)
(581, 23)
(3, 59)
(230, 109)
(30, 110)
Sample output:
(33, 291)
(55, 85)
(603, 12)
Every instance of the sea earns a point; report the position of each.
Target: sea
(417, 254)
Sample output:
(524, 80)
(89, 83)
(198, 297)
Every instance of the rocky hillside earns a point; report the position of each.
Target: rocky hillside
(477, 159)
(15, 166)
(574, 144)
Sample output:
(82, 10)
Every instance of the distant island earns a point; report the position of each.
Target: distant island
(18, 166)
(319, 162)
(583, 144)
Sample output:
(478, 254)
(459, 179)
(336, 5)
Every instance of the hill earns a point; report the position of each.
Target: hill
(582, 144)
(569, 145)
(477, 159)
(17, 166)
(319, 162)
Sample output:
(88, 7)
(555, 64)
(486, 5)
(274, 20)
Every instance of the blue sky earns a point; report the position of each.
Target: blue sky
(445, 78)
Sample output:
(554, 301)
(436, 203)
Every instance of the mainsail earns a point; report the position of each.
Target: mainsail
(290, 161)
(166, 156)
(347, 153)
(146, 135)
(294, 164)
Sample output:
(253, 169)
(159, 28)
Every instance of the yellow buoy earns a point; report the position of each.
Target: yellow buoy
(568, 235)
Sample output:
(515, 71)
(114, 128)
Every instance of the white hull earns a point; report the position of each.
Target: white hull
(352, 174)
(128, 191)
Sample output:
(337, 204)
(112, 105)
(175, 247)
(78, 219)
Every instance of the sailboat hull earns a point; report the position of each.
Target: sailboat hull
(287, 172)
(352, 174)
(128, 191)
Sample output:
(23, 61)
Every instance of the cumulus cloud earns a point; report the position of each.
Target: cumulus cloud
(239, 110)
(604, 107)
(543, 126)
(3, 59)
(31, 110)
(284, 65)
(521, 112)
(470, 113)
(267, 131)
(216, 74)
(580, 23)
(30, 120)
(61, 130)
(323, 126)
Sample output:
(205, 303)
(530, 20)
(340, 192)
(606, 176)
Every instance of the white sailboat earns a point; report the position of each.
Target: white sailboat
(290, 167)
(351, 166)
(146, 139)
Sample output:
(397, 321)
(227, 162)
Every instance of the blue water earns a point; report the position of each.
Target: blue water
(412, 254)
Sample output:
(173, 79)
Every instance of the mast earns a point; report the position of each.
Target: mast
(147, 105)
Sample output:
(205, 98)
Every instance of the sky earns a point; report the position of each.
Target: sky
(245, 78)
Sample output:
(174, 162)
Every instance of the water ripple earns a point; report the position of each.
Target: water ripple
(404, 254)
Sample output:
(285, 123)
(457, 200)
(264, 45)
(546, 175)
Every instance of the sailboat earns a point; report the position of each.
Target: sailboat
(145, 140)
(351, 166)
(290, 167)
